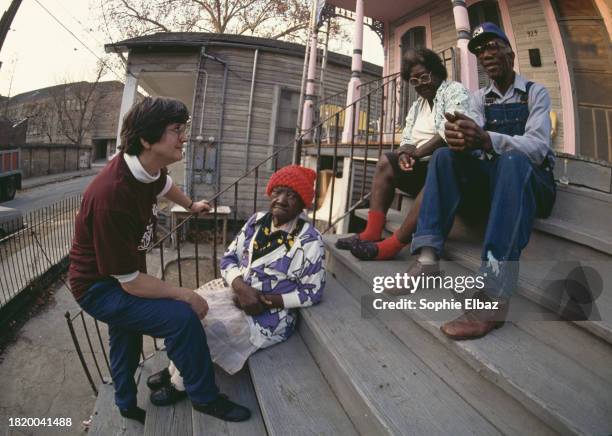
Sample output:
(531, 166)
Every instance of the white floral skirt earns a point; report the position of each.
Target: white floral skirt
(227, 328)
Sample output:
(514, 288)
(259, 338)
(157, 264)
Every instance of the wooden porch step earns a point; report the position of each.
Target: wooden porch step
(293, 395)
(537, 266)
(565, 385)
(106, 419)
(384, 387)
(181, 419)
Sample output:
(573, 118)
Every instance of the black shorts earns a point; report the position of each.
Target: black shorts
(411, 182)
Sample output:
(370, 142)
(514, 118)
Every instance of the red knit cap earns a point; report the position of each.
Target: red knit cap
(298, 178)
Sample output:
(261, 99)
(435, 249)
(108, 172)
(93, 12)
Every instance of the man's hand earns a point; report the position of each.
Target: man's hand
(199, 207)
(247, 298)
(407, 157)
(462, 133)
(197, 303)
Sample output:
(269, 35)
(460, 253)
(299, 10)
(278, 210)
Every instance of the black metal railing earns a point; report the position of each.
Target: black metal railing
(375, 127)
(33, 247)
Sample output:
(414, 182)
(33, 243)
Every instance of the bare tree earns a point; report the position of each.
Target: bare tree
(75, 105)
(276, 19)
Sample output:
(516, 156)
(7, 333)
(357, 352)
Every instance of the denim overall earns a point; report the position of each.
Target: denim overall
(515, 189)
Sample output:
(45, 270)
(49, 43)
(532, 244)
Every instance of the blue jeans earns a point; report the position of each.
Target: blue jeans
(514, 189)
(129, 317)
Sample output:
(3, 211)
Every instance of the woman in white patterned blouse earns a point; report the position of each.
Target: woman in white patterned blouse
(406, 167)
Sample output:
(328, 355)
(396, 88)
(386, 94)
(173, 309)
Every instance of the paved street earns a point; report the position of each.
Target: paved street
(32, 199)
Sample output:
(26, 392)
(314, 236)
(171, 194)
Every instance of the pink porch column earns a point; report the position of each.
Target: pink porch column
(469, 72)
(353, 92)
(308, 108)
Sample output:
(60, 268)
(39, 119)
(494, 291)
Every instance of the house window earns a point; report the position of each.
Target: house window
(413, 38)
(486, 10)
(286, 122)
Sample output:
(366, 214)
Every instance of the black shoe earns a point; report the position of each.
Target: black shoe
(346, 243)
(365, 250)
(159, 380)
(135, 413)
(224, 409)
(167, 395)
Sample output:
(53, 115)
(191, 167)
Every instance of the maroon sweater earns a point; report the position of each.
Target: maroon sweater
(114, 227)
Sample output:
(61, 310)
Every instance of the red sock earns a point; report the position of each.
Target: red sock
(374, 226)
(389, 247)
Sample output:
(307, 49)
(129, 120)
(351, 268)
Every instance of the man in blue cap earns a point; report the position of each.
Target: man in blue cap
(504, 160)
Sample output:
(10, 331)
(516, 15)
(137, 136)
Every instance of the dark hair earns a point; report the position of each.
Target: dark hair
(429, 59)
(148, 120)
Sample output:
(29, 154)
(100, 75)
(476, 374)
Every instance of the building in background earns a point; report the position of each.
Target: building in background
(79, 114)
(563, 44)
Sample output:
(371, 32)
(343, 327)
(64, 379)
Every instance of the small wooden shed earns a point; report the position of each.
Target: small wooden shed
(243, 94)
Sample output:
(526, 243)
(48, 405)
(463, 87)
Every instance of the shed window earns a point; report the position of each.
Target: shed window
(286, 122)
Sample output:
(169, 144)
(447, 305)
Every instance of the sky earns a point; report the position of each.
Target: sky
(38, 52)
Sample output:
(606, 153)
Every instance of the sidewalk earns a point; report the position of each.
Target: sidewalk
(33, 182)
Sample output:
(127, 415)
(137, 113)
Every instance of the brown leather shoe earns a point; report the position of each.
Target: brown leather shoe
(476, 323)
(416, 268)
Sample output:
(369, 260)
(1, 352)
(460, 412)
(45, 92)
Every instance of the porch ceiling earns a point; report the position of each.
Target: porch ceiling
(179, 85)
(382, 10)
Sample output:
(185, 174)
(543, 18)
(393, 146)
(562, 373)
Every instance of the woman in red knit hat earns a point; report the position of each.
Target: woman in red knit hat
(275, 265)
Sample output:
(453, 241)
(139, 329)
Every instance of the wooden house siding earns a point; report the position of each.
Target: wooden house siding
(274, 71)
(530, 31)
(142, 61)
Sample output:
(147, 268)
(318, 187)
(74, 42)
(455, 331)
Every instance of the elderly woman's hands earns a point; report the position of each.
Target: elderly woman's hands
(247, 298)
(407, 156)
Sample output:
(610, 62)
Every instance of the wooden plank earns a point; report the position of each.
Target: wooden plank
(238, 388)
(106, 419)
(504, 412)
(535, 373)
(545, 261)
(293, 394)
(384, 387)
(163, 421)
(582, 173)
(538, 260)
(586, 213)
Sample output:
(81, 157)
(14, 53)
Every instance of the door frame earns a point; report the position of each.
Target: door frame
(421, 21)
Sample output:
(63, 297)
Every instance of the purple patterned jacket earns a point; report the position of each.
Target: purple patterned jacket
(297, 273)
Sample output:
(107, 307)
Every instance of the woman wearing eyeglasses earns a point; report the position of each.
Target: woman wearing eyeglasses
(406, 167)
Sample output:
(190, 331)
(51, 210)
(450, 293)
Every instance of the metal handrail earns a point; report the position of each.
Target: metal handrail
(387, 87)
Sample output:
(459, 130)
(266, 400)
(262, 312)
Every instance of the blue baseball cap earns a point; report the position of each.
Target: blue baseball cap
(484, 32)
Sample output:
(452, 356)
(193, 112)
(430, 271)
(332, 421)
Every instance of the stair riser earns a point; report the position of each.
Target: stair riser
(354, 403)
(532, 293)
(525, 289)
(360, 286)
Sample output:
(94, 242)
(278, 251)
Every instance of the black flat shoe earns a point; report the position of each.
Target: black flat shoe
(224, 409)
(166, 396)
(365, 250)
(135, 413)
(159, 380)
(346, 243)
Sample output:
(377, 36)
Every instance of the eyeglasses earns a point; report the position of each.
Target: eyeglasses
(180, 130)
(289, 193)
(492, 46)
(423, 80)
